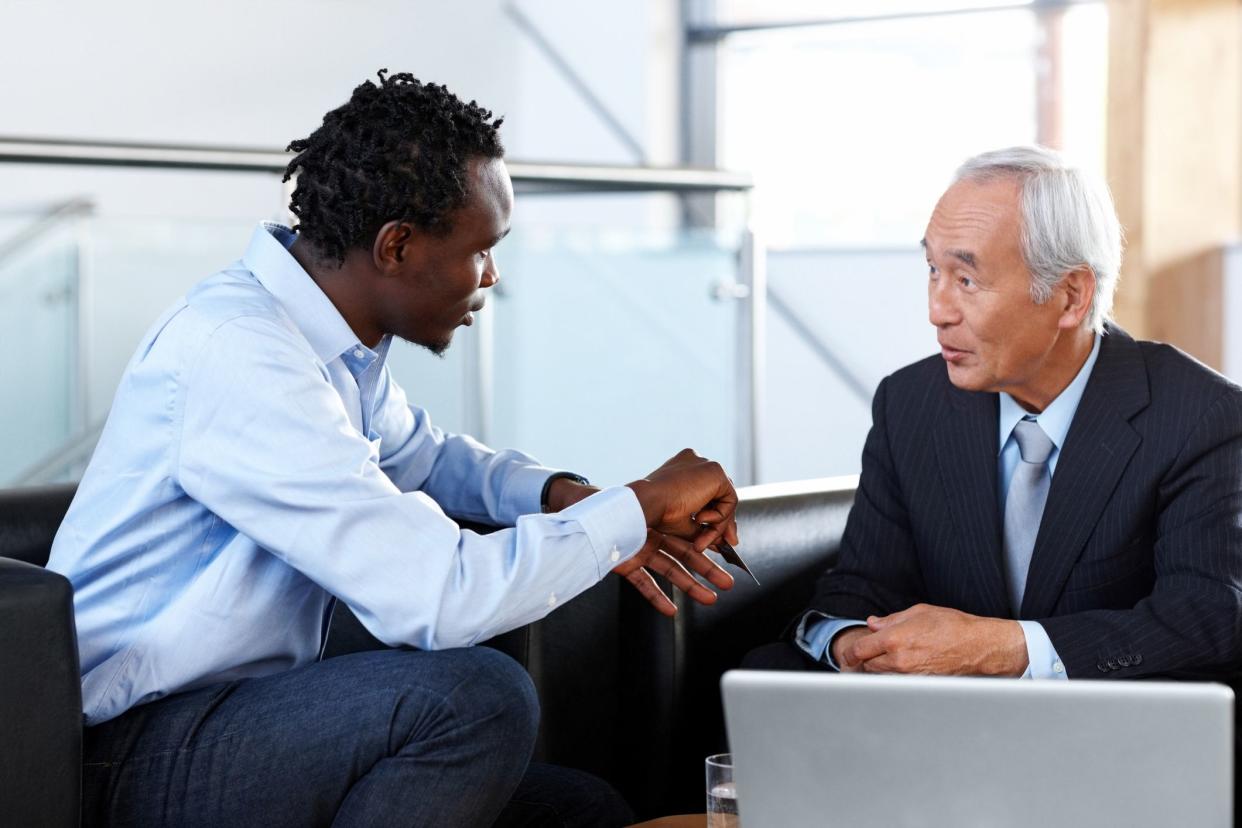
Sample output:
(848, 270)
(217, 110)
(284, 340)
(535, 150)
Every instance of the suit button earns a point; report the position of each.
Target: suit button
(1137, 660)
(1103, 668)
(1112, 664)
(1124, 661)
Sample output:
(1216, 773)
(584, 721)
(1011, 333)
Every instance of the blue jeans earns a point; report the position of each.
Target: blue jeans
(386, 738)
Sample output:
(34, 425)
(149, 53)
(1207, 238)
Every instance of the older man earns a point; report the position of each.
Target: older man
(1046, 497)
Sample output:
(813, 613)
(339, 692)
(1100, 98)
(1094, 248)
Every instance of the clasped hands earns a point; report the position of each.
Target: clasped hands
(933, 640)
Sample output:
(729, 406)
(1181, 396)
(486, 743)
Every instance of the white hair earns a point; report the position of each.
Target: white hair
(1068, 221)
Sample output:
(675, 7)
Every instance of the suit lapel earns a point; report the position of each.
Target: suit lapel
(1097, 450)
(966, 451)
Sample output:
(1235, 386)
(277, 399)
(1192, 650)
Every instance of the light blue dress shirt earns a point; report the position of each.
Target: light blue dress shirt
(259, 461)
(816, 630)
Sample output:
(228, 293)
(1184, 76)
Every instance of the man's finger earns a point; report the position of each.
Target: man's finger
(678, 576)
(869, 646)
(879, 664)
(685, 553)
(880, 622)
(641, 580)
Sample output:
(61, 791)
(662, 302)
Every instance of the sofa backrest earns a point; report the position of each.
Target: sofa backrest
(29, 519)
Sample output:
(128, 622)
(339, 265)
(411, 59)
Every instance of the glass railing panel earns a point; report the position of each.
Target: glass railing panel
(868, 310)
(38, 310)
(611, 350)
(608, 350)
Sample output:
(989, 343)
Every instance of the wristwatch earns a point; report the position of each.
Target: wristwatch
(547, 486)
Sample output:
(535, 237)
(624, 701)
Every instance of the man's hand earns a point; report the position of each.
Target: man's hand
(688, 504)
(842, 647)
(670, 557)
(689, 497)
(934, 641)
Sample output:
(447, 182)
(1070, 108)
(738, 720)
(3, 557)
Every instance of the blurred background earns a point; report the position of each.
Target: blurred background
(719, 209)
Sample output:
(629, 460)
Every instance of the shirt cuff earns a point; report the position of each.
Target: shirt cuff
(523, 489)
(1042, 659)
(816, 631)
(614, 523)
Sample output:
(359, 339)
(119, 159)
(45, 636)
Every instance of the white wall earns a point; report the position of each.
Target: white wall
(233, 72)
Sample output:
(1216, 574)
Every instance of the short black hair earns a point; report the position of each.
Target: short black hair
(397, 150)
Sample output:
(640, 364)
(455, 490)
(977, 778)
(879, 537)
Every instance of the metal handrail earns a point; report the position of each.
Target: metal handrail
(714, 33)
(578, 177)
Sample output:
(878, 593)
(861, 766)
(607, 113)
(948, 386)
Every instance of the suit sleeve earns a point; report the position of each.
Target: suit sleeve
(877, 571)
(1190, 626)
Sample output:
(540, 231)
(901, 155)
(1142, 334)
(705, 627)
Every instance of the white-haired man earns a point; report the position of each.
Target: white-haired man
(1046, 497)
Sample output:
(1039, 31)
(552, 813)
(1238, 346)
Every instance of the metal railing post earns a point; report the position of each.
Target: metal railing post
(751, 359)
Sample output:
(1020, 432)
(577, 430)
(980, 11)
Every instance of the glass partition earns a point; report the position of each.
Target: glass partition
(38, 315)
(614, 349)
(604, 349)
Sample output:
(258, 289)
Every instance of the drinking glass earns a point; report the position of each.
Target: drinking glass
(721, 795)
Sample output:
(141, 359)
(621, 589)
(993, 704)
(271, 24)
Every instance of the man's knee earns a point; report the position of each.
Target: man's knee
(506, 687)
(474, 689)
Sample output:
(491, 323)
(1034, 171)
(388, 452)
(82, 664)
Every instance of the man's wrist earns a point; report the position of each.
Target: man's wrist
(1010, 653)
(642, 491)
(564, 489)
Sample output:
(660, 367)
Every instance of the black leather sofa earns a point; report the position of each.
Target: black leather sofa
(626, 693)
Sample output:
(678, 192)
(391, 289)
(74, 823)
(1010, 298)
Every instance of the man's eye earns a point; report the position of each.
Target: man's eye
(931, 270)
(483, 254)
(966, 281)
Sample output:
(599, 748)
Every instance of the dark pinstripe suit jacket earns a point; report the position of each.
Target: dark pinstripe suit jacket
(1137, 569)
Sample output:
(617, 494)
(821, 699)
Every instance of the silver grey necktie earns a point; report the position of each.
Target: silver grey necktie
(1024, 505)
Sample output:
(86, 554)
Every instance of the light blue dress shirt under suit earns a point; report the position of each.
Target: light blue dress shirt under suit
(258, 461)
(816, 630)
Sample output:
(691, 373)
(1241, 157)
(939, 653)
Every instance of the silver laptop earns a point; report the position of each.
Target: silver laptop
(814, 749)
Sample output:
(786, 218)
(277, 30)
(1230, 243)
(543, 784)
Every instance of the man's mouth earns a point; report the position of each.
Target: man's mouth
(468, 319)
(951, 354)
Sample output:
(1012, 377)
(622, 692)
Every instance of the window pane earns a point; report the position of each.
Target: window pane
(853, 131)
(740, 12)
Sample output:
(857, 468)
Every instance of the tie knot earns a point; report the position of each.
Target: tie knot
(1033, 443)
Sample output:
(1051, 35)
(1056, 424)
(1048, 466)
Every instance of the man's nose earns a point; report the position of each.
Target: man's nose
(491, 272)
(941, 309)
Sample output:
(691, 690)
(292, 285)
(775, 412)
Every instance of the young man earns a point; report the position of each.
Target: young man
(260, 463)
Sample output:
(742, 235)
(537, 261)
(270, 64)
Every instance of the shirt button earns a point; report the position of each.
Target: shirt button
(358, 353)
(552, 600)
(1058, 667)
(615, 555)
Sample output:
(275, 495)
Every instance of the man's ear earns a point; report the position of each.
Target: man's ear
(1077, 290)
(391, 246)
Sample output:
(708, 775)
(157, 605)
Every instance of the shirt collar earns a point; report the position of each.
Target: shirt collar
(268, 258)
(1056, 418)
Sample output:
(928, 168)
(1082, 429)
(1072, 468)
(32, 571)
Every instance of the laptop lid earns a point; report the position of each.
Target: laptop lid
(891, 751)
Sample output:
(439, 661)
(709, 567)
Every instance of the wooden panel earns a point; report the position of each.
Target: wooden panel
(1174, 131)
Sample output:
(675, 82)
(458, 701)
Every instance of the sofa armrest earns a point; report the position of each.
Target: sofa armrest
(40, 698)
(672, 669)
